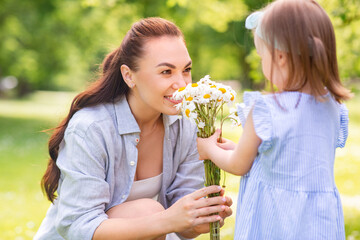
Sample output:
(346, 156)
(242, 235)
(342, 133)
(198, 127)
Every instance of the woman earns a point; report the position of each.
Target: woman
(124, 166)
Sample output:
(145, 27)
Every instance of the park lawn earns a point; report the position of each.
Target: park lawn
(23, 158)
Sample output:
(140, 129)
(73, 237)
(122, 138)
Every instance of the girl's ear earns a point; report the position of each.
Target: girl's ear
(280, 57)
(127, 75)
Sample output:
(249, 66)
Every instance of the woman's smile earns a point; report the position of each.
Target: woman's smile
(172, 100)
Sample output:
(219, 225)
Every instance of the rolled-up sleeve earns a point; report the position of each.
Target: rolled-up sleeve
(83, 191)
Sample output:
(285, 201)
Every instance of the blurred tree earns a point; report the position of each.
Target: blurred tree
(55, 44)
(58, 44)
(345, 15)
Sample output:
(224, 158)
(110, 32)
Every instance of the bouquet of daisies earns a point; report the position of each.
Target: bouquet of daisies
(202, 102)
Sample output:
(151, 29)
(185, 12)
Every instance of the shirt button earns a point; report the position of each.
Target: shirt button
(123, 196)
(137, 140)
(132, 163)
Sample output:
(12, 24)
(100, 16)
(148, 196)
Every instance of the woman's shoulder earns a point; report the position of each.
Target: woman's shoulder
(90, 117)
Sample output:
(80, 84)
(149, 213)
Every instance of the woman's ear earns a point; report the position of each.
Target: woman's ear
(127, 75)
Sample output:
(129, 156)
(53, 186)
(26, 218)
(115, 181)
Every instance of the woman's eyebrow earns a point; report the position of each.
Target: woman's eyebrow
(165, 64)
(189, 63)
(171, 65)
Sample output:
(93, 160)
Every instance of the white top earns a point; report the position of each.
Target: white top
(146, 188)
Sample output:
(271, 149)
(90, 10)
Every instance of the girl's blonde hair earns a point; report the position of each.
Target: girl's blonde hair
(303, 28)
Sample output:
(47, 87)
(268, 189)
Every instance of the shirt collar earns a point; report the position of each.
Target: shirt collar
(126, 121)
(169, 119)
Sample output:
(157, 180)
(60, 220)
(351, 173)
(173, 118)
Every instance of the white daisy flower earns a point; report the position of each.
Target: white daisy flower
(201, 124)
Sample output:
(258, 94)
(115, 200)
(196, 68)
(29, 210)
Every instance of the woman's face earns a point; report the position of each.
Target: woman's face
(164, 67)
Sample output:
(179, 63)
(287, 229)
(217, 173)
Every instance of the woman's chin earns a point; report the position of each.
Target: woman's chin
(171, 111)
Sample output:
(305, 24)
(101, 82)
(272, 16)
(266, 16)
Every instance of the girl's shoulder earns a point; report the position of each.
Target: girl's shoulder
(252, 98)
(260, 105)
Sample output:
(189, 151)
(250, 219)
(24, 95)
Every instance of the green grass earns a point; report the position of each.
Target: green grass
(23, 158)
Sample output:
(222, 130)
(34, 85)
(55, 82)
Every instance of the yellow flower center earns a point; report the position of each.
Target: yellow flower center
(187, 112)
(220, 99)
(194, 85)
(181, 89)
(213, 86)
(206, 96)
(223, 90)
(232, 97)
(189, 98)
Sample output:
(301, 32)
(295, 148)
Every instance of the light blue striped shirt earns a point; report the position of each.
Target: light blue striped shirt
(98, 159)
(290, 191)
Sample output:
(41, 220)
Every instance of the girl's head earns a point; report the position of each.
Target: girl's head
(124, 62)
(299, 39)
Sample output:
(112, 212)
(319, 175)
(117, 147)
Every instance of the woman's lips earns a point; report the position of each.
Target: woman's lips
(171, 99)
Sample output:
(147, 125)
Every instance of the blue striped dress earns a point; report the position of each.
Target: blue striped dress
(290, 192)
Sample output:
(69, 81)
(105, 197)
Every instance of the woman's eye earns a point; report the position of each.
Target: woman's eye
(187, 69)
(166, 72)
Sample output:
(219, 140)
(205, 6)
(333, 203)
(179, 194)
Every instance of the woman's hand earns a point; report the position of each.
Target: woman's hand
(228, 203)
(205, 228)
(194, 209)
(190, 215)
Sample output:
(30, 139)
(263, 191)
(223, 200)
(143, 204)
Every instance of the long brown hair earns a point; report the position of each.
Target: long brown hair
(108, 87)
(305, 31)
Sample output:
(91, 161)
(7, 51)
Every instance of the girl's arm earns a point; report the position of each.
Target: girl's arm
(237, 161)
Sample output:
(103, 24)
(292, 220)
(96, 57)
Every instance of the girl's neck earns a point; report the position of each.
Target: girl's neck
(307, 89)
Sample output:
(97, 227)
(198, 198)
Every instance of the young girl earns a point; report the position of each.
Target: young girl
(287, 150)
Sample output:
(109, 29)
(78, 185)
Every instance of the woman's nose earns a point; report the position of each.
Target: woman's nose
(181, 81)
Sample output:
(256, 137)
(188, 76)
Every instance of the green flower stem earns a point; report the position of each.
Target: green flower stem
(212, 173)
(206, 113)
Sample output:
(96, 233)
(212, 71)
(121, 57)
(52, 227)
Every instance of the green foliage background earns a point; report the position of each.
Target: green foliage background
(59, 44)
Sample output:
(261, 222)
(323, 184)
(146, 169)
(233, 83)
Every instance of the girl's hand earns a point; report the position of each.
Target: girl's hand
(191, 213)
(226, 144)
(206, 144)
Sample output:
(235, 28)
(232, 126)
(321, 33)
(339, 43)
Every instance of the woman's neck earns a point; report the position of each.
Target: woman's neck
(146, 118)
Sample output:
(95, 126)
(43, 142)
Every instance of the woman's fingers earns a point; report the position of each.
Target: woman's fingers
(228, 201)
(222, 192)
(206, 219)
(196, 209)
(209, 210)
(221, 222)
(226, 213)
(201, 193)
(204, 202)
